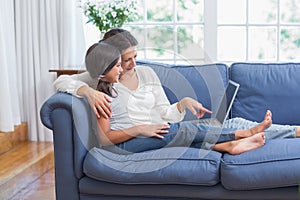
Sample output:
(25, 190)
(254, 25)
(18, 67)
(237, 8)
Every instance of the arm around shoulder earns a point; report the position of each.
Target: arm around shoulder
(83, 85)
(71, 83)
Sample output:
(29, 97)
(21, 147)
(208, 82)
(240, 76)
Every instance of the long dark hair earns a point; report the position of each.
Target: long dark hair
(107, 87)
(99, 60)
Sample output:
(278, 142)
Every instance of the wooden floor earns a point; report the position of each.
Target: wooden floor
(41, 189)
(26, 168)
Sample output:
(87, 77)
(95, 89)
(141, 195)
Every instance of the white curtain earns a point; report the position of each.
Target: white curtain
(48, 35)
(9, 101)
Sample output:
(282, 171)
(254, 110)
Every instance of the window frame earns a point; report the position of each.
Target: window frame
(210, 32)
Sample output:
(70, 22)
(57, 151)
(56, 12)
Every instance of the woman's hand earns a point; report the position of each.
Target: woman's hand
(153, 130)
(98, 101)
(193, 106)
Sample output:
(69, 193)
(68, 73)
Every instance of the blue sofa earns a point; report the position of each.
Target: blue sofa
(83, 171)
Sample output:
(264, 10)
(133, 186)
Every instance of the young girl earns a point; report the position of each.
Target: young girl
(141, 129)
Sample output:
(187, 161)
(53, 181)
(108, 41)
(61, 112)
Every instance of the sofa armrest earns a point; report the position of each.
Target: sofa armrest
(70, 118)
(58, 100)
(81, 115)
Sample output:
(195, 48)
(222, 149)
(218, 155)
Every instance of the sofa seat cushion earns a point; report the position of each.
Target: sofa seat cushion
(172, 165)
(276, 164)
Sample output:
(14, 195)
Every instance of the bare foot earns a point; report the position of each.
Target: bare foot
(247, 144)
(266, 123)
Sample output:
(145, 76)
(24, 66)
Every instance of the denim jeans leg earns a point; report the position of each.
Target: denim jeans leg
(275, 131)
(180, 134)
(140, 144)
(137, 144)
(189, 132)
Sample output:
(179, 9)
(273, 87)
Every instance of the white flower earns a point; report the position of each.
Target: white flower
(87, 13)
(114, 14)
(97, 11)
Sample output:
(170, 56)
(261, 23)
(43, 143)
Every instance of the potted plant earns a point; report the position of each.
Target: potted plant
(107, 14)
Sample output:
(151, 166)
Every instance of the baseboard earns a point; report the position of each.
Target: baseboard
(9, 140)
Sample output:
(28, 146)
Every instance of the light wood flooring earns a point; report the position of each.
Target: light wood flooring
(26, 168)
(41, 189)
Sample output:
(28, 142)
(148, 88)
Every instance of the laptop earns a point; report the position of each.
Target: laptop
(224, 107)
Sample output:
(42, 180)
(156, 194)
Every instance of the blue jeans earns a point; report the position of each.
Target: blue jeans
(275, 131)
(186, 133)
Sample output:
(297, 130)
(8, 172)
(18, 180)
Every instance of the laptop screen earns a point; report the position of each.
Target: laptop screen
(227, 101)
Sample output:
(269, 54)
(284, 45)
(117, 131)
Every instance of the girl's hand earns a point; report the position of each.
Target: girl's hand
(153, 130)
(193, 106)
(97, 100)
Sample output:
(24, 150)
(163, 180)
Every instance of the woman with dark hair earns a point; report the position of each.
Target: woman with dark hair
(85, 85)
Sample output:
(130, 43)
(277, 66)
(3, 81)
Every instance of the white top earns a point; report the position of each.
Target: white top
(147, 104)
(71, 83)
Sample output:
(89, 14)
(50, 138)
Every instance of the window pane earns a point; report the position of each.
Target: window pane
(290, 11)
(231, 11)
(290, 43)
(140, 10)
(262, 11)
(159, 10)
(189, 62)
(190, 10)
(160, 43)
(262, 43)
(190, 42)
(138, 32)
(231, 43)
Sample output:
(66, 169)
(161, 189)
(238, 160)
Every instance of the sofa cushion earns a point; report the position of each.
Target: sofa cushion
(276, 164)
(173, 165)
(202, 82)
(267, 86)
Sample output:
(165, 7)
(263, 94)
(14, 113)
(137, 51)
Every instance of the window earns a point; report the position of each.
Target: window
(170, 30)
(258, 30)
(198, 31)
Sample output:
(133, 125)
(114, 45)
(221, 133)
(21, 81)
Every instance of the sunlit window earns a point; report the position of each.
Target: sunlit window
(170, 30)
(258, 30)
(201, 31)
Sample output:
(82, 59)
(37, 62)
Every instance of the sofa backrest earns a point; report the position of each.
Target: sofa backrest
(205, 83)
(273, 86)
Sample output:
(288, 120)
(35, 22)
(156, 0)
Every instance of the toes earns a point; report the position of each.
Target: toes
(268, 117)
(269, 113)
